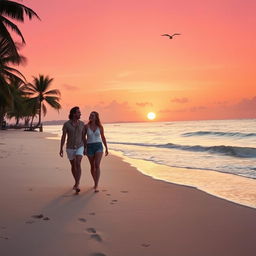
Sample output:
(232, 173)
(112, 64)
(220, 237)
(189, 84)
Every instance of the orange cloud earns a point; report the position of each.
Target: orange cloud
(180, 100)
(70, 87)
(144, 104)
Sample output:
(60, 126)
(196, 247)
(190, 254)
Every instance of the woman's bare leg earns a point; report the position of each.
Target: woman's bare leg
(92, 164)
(98, 157)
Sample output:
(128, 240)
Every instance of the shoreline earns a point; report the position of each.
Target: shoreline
(197, 178)
(207, 181)
(133, 214)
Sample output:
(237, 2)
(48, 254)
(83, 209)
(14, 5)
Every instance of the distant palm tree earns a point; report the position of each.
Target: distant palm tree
(19, 107)
(38, 92)
(15, 11)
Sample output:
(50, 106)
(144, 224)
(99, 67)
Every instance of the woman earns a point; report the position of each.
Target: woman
(94, 133)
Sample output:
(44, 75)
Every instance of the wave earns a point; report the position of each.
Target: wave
(241, 152)
(229, 134)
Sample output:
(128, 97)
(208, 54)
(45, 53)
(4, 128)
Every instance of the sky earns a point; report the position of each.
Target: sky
(109, 56)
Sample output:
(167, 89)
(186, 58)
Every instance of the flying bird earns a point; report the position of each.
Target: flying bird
(171, 36)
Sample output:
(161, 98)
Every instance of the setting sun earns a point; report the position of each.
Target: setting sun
(151, 115)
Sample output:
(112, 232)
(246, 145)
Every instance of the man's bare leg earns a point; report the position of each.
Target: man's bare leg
(78, 171)
(73, 170)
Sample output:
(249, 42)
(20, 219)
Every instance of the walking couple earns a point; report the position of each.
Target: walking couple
(83, 140)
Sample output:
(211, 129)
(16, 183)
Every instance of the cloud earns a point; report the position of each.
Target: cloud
(180, 100)
(220, 103)
(164, 111)
(112, 112)
(144, 104)
(125, 74)
(246, 106)
(192, 109)
(136, 86)
(197, 108)
(70, 87)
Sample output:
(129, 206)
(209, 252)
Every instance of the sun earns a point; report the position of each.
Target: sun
(151, 115)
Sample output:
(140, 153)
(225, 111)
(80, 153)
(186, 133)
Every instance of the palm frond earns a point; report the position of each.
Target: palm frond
(16, 10)
(6, 39)
(53, 92)
(31, 88)
(10, 73)
(42, 83)
(53, 102)
(44, 109)
(12, 26)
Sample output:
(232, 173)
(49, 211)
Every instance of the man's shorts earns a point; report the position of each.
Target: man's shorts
(93, 148)
(71, 153)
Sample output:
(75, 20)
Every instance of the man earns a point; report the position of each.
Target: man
(74, 129)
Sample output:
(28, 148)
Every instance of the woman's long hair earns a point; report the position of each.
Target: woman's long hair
(97, 120)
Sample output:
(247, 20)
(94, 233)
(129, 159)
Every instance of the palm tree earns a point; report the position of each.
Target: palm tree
(8, 75)
(19, 107)
(38, 91)
(15, 11)
(9, 49)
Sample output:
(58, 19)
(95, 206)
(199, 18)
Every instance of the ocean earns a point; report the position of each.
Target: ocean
(216, 156)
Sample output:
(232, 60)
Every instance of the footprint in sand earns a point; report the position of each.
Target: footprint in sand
(98, 254)
(91, 230)
(124, 191)
(108, 194)
(92, 213)
(113, 201)
(96, 237)
(145, 245)
(29, 222)
(46, 218)
(38, 216)
(4, 237)
(82, 219)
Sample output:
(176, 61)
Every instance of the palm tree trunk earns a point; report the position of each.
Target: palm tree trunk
(39, 114)
(2, 114)
(31, 124)
(17, 121)
(26, 121)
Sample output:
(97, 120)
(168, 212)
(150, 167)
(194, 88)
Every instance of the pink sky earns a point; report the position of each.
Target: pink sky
(108, 56)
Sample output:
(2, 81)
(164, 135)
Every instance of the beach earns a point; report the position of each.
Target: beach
(133, 214)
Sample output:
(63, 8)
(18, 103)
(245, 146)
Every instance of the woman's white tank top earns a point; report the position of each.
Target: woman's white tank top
(93, 137)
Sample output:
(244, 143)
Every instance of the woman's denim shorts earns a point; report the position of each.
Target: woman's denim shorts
(93, 148)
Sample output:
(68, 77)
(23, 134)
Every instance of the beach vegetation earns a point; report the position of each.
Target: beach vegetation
(12, 11)
(15, 101)
(8, 77)
(41, 95)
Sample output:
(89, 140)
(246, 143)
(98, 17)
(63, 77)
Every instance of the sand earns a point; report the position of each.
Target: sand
(132, 214)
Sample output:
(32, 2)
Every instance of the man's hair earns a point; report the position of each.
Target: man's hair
(72, 112)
